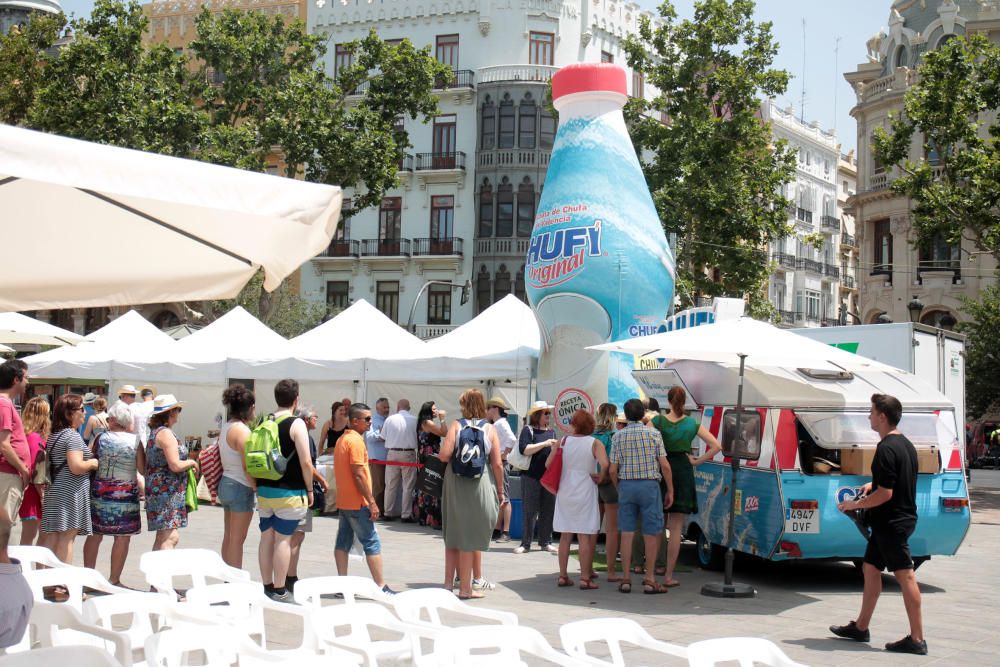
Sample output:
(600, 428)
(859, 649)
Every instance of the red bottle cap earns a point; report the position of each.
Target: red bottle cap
(589, 77)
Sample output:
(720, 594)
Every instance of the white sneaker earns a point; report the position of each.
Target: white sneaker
(520, 550)
(551, 548)
(483, 584)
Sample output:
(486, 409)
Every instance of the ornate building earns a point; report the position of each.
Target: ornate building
(16, 12)
(892, 271)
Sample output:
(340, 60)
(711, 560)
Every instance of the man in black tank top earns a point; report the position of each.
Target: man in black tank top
(282, 503)
(891, 499)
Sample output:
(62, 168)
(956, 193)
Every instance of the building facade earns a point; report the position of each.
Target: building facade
(892, 270)
(16, 12)
(465, 206)
(847, 186)
(805, 287)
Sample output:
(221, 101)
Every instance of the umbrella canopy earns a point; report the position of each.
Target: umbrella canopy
(98, 225)
(18, 329)
(5, 349)
(763, 344)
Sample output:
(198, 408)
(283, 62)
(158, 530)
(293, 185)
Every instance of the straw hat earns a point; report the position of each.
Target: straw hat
(165, 402)
(539, 405)
(89, 398)
(127, 389)
(497, 403)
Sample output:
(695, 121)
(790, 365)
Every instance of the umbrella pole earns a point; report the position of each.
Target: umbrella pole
(728, 589)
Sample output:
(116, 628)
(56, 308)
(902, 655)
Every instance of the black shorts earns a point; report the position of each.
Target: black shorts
(888, 548)
(608, 493)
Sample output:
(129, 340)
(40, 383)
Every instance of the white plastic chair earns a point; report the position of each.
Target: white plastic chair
(745, 650)
(60, 656)
(456, 646)
(309, 592)
(60, 625)
(411, 605)
(173, 648)
(356, 619)
(73, 579)
(30, 556)
(146, 612)
(613, 631)
(162, 567)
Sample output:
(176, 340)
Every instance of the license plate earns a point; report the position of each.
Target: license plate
(801, 521)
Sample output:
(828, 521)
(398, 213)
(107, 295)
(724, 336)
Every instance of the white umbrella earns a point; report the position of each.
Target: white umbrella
(96, 225)
(4, 349)
(16, 328)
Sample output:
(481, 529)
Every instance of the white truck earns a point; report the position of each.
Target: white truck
(935, 355)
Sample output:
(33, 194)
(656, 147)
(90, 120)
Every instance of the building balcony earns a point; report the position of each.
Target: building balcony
(802, 215)
(514, 157)
(522, 73)
(830, 322)
(440, 161)
(945, 266)
(830, 224)
(460, 78)
(503, 247)
(447, 247)
(405, 163)
(787, 316)
(809, 265)
(883, 272)
(341, 248)
(784, 260)
(878, 182)
(847, 281)
(848, 241)
(831, 272)
(385, 247)
(428, 331)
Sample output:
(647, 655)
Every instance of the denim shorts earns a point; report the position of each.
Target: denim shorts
(640, 498)
(236, 497)
(358, 522)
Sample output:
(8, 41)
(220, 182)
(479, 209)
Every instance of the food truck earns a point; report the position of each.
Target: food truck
(816, 448)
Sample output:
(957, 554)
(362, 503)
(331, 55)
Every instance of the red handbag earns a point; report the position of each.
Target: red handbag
(550, 480)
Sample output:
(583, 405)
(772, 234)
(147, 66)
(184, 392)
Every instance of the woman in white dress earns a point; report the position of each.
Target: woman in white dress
(584, 464)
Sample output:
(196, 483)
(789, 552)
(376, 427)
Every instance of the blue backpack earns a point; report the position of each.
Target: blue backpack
(469, 459)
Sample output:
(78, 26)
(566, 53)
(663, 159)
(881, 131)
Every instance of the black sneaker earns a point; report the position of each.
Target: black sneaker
(282, 595)
(290, 583)
(851, 631)
(908, 645)
(387, 590)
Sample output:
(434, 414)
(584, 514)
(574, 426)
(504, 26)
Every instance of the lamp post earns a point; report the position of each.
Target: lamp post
(915, 308)
(466, 291)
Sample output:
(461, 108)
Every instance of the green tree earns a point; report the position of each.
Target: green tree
(714, 170)
(287, 313)
(982, 351)
(950, 114)
(23, 60)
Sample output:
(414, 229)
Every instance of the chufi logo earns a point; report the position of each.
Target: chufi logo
(556, 256)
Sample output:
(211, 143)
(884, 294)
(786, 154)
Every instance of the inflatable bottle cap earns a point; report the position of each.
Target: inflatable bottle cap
(589, 77)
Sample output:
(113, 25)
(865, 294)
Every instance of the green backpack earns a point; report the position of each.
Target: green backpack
(262, 452)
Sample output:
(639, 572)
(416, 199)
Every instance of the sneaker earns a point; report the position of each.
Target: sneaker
(407, 519)
(851, 631)
(521, 549)
(290, 583)
(388, 591)
(496, 534)
(551, 548)
(284, 596)
(483, 585)
(504, 537)
(908, 645)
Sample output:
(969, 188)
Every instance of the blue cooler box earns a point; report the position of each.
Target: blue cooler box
(515, 518)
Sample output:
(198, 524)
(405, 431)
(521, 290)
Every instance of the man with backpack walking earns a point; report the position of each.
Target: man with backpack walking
(277, 455)
(358, 510)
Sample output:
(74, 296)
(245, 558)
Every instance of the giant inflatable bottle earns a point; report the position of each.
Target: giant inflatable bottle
(599, 267)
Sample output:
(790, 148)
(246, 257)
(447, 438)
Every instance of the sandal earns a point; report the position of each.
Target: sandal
(660, 571)
(625, 587)
(673, 583)
(615, 578)
(588, 585)
(564, 582)
(638, 569)
(653, 588)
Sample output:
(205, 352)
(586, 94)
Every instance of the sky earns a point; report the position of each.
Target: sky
(828, 97)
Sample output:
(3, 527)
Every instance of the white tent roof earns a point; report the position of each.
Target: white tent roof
(129, 345)
(16, 328)
(237, 345)
(167, 229)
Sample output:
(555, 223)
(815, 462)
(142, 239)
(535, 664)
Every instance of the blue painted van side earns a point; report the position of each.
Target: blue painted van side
(759, 515)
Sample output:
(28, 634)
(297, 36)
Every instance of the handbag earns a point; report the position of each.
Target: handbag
(550, 480)
(40, 476)
(430, 478)
(191, 491)
(516, 459)
(211, 469)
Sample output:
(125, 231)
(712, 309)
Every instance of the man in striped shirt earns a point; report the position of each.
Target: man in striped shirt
(638, 463)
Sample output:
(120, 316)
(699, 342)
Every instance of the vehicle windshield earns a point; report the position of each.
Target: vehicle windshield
(840, 430)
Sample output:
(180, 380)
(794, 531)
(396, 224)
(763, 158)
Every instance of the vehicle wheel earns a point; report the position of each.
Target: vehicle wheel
(710, 556)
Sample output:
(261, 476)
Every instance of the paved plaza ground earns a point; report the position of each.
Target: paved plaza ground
(796, 602)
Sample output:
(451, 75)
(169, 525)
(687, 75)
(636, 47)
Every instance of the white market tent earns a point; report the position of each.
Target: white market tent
(16, 328)
(237, 345)
(171, 229)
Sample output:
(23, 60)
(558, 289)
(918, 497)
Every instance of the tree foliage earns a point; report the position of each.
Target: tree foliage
(715, 171)
(982, 351)
(950, 113)
(23, 59)
(286, 312)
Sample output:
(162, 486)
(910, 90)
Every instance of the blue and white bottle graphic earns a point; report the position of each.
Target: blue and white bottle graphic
(599, 267)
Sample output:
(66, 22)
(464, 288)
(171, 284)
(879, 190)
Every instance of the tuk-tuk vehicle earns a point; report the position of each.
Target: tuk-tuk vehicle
(816, 447)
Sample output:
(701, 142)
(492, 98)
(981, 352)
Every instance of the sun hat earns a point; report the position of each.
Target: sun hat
(127, 389)
(89, 398)
(147, 387)
(165, 402)
(497, 403)
(539, 405)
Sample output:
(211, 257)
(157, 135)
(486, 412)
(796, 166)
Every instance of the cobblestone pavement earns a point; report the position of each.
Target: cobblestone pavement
(795, 605)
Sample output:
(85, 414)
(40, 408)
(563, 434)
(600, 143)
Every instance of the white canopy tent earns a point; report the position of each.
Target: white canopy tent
(16, 328)
(171, 229)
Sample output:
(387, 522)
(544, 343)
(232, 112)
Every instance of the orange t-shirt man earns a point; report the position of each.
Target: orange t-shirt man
(350, 451)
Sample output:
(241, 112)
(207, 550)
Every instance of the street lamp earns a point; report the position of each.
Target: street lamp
(947, 322)
(915, 306)
(466, 292)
